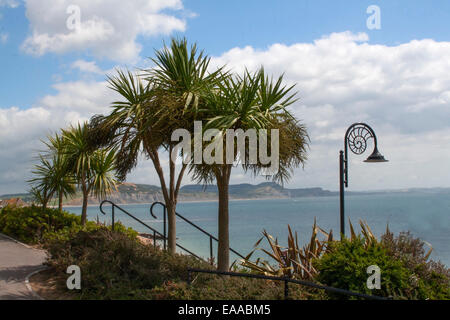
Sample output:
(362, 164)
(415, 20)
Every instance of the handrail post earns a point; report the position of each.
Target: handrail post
(165, 233)
(112, 226)
(211, 255)
(165, 227)
(286, 290)
(189, 277)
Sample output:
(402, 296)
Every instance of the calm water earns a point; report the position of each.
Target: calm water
(425, 215)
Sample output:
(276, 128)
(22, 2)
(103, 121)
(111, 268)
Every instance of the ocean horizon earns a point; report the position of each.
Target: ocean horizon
(425, 215)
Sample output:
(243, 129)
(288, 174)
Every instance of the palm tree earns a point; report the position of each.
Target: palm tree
(148, 114)
(45, 182)
(93, 169)
(64, 177)
(252, 101)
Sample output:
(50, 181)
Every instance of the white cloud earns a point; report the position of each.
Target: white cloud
(108, 28)
(22, 130)
(401, 91)
(87, 66)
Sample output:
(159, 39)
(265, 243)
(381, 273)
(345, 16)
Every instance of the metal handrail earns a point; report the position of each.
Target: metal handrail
(211, 237)
(155, 232)
(286, 281)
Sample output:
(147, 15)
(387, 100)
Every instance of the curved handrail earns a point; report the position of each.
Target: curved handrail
(192, 224)
(286, 280)
(155, 232)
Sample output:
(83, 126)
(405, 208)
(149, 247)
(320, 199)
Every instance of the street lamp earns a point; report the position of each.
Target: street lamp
(356, 139)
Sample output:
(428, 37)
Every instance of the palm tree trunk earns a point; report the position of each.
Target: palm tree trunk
(172, 232)
(84, 207)
(60, 203)
(169, 195)
(223, 249)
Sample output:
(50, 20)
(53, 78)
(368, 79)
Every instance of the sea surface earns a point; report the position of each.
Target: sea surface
(426, 215)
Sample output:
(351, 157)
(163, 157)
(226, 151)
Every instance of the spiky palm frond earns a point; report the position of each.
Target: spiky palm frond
(183, 71)
(291, 261)
(77, 150)
(93, 170)
(104, 180)
(254, 101)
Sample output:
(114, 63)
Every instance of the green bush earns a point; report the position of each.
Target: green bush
(114, 266)
(37, 225)
(30, 224)
(345, 265)
(404, 275)
(432, 278)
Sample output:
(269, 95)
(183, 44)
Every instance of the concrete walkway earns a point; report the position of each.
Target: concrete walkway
(16, 263)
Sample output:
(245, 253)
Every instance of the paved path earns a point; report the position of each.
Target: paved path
(16, 263)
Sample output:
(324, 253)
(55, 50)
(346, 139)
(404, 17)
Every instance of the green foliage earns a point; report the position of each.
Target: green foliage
(31, 224)
(52, 176)
(432, 278)
(346, 264)
(37, 225)
(116, 266)
(214, 287)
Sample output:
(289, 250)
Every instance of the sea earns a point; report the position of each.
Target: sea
(425, 215)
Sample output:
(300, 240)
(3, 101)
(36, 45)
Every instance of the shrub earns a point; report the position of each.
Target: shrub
(215, 287)
(116, 266)
(345, 265)
(30, 224)
(432, 278)
(37, 225)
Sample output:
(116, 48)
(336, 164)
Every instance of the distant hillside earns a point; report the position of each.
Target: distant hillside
(24, 196)
(144, 193)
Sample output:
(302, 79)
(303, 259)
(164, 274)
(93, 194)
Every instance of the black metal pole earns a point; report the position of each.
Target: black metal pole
(286, 290)
(165, 234)
(341, 192)
(113, 218)
(211, 254)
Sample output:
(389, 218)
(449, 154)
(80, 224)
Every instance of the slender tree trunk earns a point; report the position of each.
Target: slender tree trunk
(170, 194)
(84, 207)
(45, 200)
(60, 203)
(172, 226)
(223, 249)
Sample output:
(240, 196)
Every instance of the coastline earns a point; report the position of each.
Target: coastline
(183, 201)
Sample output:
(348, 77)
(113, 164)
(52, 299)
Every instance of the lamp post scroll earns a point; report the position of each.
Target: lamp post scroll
(356, 139)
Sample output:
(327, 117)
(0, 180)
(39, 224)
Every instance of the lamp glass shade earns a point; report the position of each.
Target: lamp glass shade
(376, 156)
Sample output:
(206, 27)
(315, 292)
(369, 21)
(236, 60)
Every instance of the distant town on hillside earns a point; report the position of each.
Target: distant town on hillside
(144, 193)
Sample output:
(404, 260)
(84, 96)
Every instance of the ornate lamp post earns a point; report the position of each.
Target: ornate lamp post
(356, 139)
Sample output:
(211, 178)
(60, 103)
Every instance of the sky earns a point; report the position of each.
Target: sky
(394, 77)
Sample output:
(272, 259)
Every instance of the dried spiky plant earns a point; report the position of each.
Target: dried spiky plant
(291, 261)
(295, 262)
(367, 233)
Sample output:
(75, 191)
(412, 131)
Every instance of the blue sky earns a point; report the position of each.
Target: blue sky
(220, 25)
(393, 78)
